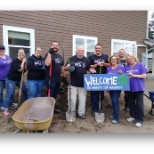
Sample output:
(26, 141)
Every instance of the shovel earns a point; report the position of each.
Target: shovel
(99, 116)
(50, 74)
(70, 115)
(20, 89)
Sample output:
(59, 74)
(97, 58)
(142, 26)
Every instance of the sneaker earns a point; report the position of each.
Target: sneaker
(130, 119)
(82, 116)
(14, 104)
(6, 112)
(114, 121)
(138, 124)
(2, 108)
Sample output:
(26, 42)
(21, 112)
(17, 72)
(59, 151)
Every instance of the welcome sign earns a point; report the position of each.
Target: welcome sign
(99, 82)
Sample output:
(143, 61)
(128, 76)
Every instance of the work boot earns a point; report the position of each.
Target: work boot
(57, 110)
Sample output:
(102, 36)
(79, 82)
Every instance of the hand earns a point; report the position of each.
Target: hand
(100, 63)
(24, 60)
(92, 70)
(120, 71)
(68, 65)
(130, 74)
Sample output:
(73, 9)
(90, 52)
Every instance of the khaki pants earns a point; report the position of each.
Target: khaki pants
(81, 93)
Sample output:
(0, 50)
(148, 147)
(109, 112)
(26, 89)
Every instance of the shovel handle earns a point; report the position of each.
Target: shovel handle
(50, 74)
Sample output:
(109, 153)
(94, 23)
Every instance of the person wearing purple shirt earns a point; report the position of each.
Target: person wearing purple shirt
(137, 73)
(5, 65)
(115, 68)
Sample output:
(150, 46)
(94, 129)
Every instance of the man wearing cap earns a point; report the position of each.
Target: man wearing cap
(5, 65)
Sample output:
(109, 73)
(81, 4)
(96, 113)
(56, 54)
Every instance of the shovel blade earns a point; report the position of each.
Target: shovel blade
(70, 116)
(99, 117)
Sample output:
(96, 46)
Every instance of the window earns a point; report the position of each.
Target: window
(16, 37)
(129, 46)
(87, 42)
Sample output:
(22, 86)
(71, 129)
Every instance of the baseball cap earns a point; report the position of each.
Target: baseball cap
(2, 47)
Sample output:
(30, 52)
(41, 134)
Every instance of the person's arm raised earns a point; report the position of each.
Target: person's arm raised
(48, 60)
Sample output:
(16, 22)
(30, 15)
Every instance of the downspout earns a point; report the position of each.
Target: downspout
(153, 63)
(147, 34)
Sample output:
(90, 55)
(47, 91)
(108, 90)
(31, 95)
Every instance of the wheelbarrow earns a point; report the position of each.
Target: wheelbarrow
(35, 114)
(151, 97)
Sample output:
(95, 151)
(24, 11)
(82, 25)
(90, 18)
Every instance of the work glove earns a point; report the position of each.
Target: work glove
(72, 67)
(51, 51)
(43, 67)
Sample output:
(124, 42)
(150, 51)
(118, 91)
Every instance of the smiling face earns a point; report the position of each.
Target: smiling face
(2, 52)
(131, 60)
(122, 53)
(38, 52)
(55, 46)
(80, 52)
(21, 54)
(98, 50)
(114, 60)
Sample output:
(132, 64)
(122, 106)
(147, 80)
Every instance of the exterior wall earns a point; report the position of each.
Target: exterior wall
(62, 25)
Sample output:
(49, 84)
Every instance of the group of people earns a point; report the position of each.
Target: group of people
(100, 63)
(37, 67)
(47, 71)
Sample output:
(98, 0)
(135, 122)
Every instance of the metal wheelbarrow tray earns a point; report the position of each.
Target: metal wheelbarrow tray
(35, 114)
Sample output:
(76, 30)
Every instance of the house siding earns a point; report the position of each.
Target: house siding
(62, 25)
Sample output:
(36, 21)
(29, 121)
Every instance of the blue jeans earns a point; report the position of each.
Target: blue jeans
(10, 89)
(54, 88)
(35, 88)
(115, 94)
(95, 100)
(136, 105)
(2, 85)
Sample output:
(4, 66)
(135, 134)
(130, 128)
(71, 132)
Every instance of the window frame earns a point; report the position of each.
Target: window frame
(6, 29)
(123, 41)
(85, 43)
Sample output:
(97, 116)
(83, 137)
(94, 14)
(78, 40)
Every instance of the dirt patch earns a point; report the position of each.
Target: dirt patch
(89, 125)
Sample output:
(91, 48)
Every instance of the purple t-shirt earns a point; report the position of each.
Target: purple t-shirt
(136, 84)
(115, 71)
(5, 65)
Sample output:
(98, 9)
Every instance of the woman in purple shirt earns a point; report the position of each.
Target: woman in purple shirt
(137, 73)
(115, 68)
(5, 65)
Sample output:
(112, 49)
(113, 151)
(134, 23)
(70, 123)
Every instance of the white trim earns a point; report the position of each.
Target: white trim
(147, 26)
(85, 38)
(18, 29)
(141, 45)
(123, 41)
